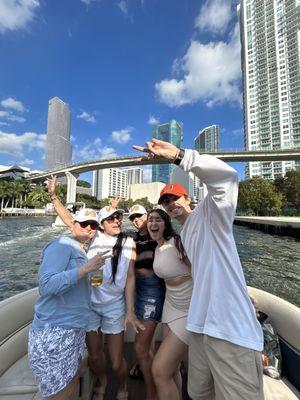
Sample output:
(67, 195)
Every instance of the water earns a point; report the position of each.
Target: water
(271, 263)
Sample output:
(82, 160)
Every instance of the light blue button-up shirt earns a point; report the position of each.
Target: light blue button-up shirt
(65, 299)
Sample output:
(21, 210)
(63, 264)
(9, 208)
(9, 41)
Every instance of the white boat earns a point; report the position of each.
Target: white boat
(16, 380)
(72, 207)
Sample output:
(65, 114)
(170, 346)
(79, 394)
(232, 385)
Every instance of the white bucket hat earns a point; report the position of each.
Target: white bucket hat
(106, 212)
(137, 209)
(85, 214)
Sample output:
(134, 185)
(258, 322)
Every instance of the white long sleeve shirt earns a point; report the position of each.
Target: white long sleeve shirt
(220, 305)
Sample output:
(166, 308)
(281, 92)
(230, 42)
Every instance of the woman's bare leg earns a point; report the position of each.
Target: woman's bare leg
(115, 344)
(166, 363)
(97, 360)
(142, 346)
(70, 392)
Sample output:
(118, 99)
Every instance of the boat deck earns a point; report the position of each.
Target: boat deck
(136, 387)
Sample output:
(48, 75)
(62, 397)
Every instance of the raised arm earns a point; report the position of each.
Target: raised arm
(60, 209)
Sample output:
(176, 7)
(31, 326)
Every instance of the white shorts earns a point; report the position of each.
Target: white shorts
(109, 318)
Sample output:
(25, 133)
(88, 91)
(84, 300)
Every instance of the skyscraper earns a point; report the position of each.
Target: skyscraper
(270, 39)
(169, 132)
(109, 182)
(134, 175)
(208, 139)
(58, 145)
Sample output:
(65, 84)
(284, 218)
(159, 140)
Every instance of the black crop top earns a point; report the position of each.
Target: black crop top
(145, 248)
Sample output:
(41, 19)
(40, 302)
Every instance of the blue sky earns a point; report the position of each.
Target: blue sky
(121, 65)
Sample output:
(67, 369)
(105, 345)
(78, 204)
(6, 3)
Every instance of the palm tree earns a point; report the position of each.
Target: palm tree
(38, 197)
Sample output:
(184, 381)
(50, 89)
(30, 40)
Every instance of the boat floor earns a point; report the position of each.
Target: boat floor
(136, 387)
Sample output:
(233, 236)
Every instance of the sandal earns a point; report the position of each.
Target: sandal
(122, 393)
(99, 392)
(135, 372)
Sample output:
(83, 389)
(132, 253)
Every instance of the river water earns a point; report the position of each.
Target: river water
(271, 263)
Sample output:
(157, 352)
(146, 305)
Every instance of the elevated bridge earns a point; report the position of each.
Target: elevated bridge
(72, 171)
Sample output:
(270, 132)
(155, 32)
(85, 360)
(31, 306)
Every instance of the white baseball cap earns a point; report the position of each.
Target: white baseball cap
(107, 211)
(137, 209)
(85, 214)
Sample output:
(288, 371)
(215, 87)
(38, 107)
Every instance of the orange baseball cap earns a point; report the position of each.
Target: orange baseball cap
(172, 188)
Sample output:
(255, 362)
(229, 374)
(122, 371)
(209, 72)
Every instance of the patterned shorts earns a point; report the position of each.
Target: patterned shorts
(54, 353)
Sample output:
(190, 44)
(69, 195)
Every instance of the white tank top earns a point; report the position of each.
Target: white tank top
(110, 292)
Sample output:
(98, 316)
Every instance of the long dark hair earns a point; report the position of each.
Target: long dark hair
(116, 253)
(169, 233)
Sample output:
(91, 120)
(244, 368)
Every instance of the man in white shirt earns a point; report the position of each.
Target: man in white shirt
(226, 338)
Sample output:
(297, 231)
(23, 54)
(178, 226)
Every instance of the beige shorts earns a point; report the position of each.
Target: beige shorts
(222, 370)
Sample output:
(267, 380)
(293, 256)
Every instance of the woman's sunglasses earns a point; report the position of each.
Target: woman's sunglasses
(111, 219)
(92, 224)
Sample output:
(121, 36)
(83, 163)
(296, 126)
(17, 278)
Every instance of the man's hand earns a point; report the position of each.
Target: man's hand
(159, 149)
(136, 324)
(115, 202)
(51, 185)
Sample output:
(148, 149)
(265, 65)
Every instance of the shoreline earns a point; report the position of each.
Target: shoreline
(283, 226)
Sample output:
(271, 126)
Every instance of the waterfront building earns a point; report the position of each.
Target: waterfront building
(16, 172)
(134, 175)
(170, 132)
(149, 190)
(58, 145)
(208, 139)
(109, 183)
(270, 40)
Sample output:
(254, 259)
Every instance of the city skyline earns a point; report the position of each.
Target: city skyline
(100, 58)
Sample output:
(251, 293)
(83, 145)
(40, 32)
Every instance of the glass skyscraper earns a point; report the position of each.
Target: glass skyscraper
(169, 132)
(58, 145)
(208, 139)
(270, 39)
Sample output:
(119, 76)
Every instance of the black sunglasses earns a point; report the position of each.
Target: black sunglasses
(167, 199)
(133, 216)
(93, 224)
(111, 219)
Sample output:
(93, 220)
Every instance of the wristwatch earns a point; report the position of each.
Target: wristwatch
(180, 156)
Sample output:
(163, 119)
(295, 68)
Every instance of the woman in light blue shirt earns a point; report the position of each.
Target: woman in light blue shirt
(57, 335)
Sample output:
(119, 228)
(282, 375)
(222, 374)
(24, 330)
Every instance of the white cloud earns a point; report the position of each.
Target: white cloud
(147, 173)
(13, 104)
(93, 150)
(17, 14)
(27, 162)
(122, 136)
(214, 16)
(87, 2)
(238, 132)
(123, 7)
(211, 73)
(87, 117)
(16, 145)
(9, 116)
(152, 120)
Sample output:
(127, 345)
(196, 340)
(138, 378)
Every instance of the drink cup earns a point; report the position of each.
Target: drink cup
(97, 278)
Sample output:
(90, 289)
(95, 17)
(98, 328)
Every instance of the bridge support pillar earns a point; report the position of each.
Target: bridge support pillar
(71, 187)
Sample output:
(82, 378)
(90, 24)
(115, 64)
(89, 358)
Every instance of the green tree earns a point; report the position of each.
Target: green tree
(83, 183)
(38, 198)
(289, 186)
(259, 196)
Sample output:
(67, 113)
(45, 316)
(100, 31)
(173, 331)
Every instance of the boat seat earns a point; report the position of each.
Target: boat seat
(16, 379)
(279, 389)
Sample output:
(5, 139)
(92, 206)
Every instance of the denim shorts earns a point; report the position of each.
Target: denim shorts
(150, 297)
(109, 318)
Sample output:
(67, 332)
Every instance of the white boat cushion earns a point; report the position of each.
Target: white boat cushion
(18, 379)
(279, 389)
